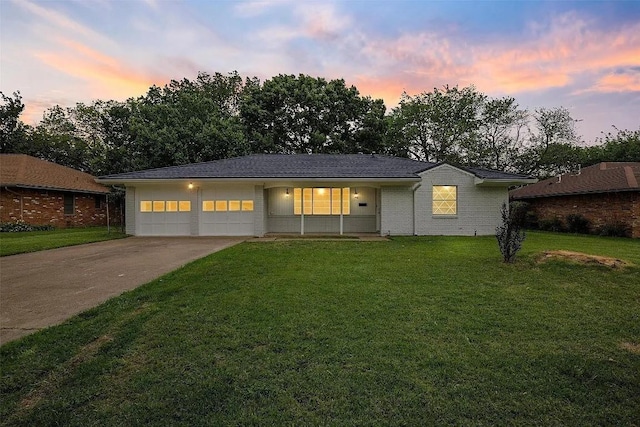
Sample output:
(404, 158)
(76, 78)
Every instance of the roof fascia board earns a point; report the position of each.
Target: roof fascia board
(539, 196)
(496, 182)
(451, 166)
(258, 180)
(68, 190)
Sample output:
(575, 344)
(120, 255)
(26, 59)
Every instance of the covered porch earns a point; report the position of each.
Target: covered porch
(322, 208)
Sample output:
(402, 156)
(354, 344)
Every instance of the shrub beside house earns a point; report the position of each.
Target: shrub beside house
(38, 192)
(602, 199)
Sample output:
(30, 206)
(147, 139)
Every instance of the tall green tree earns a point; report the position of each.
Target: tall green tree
(440, 126)
(13, 132)
(188, 121)
(622, 146)
(500, 135)
(303, 114)
(552, 144)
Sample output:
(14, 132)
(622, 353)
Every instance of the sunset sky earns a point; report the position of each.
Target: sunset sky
(582, 55)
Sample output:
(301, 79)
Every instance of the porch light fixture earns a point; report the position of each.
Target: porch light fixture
(355, 193)
(190, 186)
(286, 194)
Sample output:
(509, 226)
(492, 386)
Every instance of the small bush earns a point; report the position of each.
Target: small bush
(21, 226)
(576, 223)
(531, 221)
(615, 229)
(554, 224)
(518, 213)
(510, 234)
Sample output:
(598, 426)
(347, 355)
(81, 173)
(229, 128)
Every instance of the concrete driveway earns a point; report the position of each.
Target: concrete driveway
(45, 288)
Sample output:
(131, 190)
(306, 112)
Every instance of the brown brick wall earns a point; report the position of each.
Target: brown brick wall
(599, 209)
(40, 207)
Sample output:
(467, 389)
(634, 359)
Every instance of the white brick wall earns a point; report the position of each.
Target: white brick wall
(478, 207)
(396, 215)
(130, 211)
(258, 211)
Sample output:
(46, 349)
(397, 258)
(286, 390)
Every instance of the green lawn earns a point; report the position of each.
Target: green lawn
(33, 241)
(415, 331)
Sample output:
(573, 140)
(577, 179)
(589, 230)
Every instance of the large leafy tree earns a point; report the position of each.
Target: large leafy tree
(303, 114)
(13, 132)
(623, 146)
(440, 126)
(188, 121)
(500, 135)
(553, 143)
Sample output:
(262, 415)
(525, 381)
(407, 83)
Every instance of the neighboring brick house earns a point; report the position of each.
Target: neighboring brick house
(606, 194)
(43, 193)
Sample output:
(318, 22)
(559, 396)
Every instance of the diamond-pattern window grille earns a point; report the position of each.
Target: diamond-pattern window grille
(445, 200)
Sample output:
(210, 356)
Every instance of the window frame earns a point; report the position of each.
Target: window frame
(434, 200)
(65, 204)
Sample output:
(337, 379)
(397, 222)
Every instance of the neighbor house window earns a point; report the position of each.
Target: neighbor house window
(98, 202)
(445, 200)
(321, 201)
(145, 206)
(68, 204)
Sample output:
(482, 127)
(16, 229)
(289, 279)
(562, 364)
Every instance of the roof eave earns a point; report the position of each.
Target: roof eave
(503, 182)
(48, 188)
(580, 193)
(259, 180)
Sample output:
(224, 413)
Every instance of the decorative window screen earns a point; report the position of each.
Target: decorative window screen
(445, 200)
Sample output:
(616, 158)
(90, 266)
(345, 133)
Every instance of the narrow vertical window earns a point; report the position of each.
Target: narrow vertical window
(445, 200)
(69, 203)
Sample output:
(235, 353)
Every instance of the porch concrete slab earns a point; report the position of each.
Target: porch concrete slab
(45, 288)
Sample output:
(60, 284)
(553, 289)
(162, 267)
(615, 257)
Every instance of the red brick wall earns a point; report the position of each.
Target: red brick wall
(599, 209)
(41, 207)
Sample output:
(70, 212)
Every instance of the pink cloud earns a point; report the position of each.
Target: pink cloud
(106, 75)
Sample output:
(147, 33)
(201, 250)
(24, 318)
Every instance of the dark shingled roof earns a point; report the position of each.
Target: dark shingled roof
(301, 166)
(20, 170)
(601, 178)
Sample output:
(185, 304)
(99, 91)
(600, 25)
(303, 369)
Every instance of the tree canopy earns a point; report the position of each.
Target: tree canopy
(218, 115)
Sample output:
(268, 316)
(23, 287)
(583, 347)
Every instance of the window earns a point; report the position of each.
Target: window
(221, 205)
(445, 200)
(184, 206)
(158, 205)
(68, 204)
(247, 205)
(321, 201)
(207, 206)
(234, 205)
(172, 206)
(98, 202)
(145, 206)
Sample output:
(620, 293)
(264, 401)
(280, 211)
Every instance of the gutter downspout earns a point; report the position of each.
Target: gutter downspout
(21, 204)
(414, 189)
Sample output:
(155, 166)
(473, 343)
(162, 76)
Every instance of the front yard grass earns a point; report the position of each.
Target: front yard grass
(33, 241)
(415, 331)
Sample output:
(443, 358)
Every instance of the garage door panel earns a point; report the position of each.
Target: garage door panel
(172, 223)
(227, 222)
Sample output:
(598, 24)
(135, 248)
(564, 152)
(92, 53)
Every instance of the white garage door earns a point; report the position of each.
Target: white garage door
(227, 210)
(163, 212)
